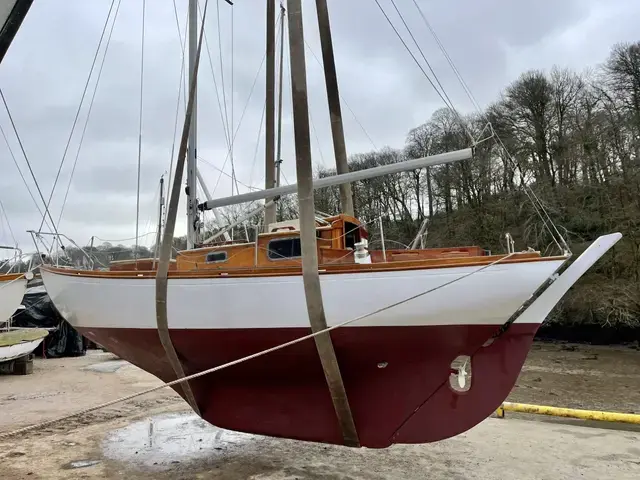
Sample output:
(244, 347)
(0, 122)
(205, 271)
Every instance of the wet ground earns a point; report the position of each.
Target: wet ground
(155, 437)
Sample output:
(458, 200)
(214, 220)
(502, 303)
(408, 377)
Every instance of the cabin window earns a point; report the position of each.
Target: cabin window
(216, 257)
(284, 248)
(351, 235)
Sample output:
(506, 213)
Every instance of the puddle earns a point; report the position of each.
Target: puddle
(169, 439)
(81, 464)
(109, 366)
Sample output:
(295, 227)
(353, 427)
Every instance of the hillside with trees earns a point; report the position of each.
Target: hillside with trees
(574, 140)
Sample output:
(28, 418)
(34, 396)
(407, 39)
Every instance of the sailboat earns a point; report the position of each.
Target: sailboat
(15, 342)
(12, 289)
(437, 339)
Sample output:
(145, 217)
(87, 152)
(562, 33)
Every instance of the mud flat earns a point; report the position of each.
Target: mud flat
(155, 436)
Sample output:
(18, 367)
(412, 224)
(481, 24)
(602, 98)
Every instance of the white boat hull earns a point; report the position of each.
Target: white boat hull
(11, 352)
(11, 295)
(488, 297)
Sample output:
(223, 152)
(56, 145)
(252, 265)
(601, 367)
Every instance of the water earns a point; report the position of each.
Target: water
(109, 366)
(173, 438)
(81, 464)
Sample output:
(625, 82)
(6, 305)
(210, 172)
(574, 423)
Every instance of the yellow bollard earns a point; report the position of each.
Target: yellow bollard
(568, 413)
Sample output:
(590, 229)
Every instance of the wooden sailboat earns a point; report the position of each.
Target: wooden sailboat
(439, 339)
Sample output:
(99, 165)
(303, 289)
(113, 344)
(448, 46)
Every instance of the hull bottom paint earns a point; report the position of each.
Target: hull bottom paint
(399, 380)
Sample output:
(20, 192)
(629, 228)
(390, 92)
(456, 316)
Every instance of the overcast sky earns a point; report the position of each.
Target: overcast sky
(44, 72)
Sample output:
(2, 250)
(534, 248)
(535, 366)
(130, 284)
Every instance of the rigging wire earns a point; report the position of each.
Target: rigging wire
(144, 4)
(75, 120)
(26, 158)
(449, 59)
(110, 240)
(443, 96)
(255, 152)
(212, 165)
(355, 117)
(182, 44)
(224, 91)
(24, 180)
(255, 80)
(182, 82)
(225, 127)
(86, 123)
(435, 76)
(315, 133)
(535, 200)
(4, 212)
(538, 206)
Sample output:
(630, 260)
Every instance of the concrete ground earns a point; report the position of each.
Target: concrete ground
(156, 437)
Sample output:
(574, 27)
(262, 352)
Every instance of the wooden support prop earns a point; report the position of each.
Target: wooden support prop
(162, 282)
(310, 274)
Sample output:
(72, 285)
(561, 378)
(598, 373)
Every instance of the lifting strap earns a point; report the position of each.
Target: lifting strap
(310, 275)
(167, 238)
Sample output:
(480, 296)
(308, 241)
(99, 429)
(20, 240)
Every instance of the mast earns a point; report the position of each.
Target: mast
(191, 190)
(160, 218)
(279, 141)
(333, 95)
(269, 179)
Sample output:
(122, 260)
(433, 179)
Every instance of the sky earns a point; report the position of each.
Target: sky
(384, 92)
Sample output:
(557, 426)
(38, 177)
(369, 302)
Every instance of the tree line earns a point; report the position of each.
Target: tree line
(573, 140)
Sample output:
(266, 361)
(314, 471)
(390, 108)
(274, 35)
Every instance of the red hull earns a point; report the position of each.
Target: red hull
(284, 394)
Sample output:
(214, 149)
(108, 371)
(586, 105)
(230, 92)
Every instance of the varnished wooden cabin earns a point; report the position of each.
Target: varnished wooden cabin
(280, 247)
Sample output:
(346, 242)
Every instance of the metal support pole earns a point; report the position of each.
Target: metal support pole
(208, 196)
(93, 263)
(255, 252)
(384, 250)
(333, 96)
(241, 220)
(420, 235)
(310, 275)
(269, 180)
(373, 172)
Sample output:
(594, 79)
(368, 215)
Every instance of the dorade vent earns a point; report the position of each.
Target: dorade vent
(216, 257)
(282, 248)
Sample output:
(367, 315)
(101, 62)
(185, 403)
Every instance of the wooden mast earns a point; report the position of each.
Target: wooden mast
(310, 275)
(333, 96)
(269, 179)
(280, 77)
(192, 207)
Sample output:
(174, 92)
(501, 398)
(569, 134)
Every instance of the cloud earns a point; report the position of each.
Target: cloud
(45, 70)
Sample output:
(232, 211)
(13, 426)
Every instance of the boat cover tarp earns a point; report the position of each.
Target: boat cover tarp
(38, 312)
